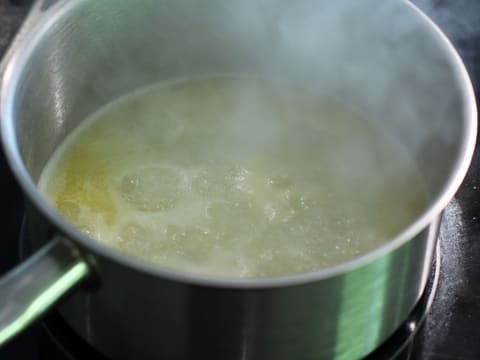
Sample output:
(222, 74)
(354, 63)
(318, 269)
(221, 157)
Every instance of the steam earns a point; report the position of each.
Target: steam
(459, 19)
(375, 57)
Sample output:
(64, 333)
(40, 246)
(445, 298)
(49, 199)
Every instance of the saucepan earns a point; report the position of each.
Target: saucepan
(383, 56)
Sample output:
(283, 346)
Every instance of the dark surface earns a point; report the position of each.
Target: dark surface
(11, 203)
(451, 328)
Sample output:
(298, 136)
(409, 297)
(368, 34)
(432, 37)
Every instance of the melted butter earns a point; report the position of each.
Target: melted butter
(233, 177)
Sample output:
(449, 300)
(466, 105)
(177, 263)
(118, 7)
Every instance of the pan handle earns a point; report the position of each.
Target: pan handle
(33, 287)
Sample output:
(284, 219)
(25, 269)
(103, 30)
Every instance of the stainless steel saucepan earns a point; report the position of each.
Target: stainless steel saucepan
(381, 56)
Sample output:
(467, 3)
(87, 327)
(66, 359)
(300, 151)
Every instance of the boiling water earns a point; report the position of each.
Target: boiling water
(233, 177)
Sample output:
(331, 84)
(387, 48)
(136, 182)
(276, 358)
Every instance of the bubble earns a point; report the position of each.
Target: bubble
(238, 177)
(266, 254)
(69, 209)
(151, 189)
(133, 232)
(233, 218)
(208, 182)
(88, 230)
(133, 238)
(280, 181)
(270, 211)
(194, 243)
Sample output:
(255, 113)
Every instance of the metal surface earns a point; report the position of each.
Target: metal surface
(31, 289)
(65, 344)
(81, 57)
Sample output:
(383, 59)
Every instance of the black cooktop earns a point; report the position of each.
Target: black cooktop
(450, 330)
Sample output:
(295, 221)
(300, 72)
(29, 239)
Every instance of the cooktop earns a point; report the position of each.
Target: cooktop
(449, 330)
